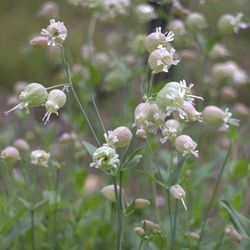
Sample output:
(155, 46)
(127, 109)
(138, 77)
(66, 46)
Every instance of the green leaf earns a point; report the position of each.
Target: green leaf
(130, 209)
(94, 74)
(89, 147)
(210, 44)
(25, 203)
(133, 160)
(240, 222)
(51, 196)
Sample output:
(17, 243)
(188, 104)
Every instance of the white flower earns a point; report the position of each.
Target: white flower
(238, 24)
(185, 145)
(40, 157)
(56, 32)
(105, 158)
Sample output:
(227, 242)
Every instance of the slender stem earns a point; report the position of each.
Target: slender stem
(98, 114)
(174, 226)
(169, 212)
(55, 211)
(67, 71)
(214, 195)
(32, 211)
(56, 86)
(121, 206)
(157, 211)
(118, 213)
(140, 246)
(91, 29)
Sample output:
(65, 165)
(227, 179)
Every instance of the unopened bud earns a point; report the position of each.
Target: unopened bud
(192, 235)
(39, 157)
(196, 22)
(150, 225)
(139, 231)
(233, 233)
(225, 23)
(114, 80)
(185, 145)
(10, 154)
(141, 133)
(109, 192)
(119, 138)
(228, 93)
(142, 203)
(39, 42)
(56, 100)
(21, 145)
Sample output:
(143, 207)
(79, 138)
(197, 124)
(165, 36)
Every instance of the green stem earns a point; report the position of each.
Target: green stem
(56, 86)
(218, 245)
(174, 226)
(68, 75)
(213, 195)
(140, 246)
(119, 241)
(32, 211)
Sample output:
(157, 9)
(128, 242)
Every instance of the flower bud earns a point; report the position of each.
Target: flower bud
(39, 157)
(157, 39)
(160, 60)
(109, 192)
(114, 80)
(10, 154)
(49, 10)
(34, 95)
(56, 100)
(233, 233)
(225, 23)
(141, 203)
(178, 193)
(185, 145)
(151, 226)
(149, 117)
(105, 158)
(21, 145)
(216, 116)
(119, 138)
(170, 130)
(102, 61)
(39, 42)
(139, 231)
(196, 22)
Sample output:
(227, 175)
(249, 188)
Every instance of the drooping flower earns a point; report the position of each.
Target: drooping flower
(160, 60)
(185, 145)
(34, 95)
(56, 100)
(56, 32)
(158, 40)
(119, 138)
(178, 193)
(10, 154)
(170, 130)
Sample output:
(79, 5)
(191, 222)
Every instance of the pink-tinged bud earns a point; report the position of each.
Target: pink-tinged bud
(178, 193)
(178, 27)
(233, 233)
(151, 226)
(185, 145)
(170, 130)
(189, 113)
(219, 51)
(139, 231)
(216, 116)
(141, 133)
(228, 93)
(109, 192)
(141, 203)
(119, 138)
(10, 155)
(21, 145)
(225, 23)
(196, 22)
(160, 201)
(49, 10)
(39, 42)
